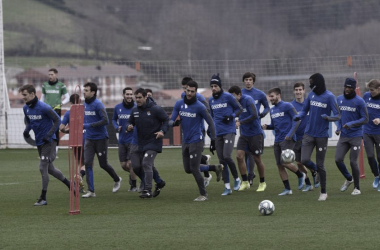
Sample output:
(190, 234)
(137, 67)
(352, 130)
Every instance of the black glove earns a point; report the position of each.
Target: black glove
(177, 123)
(46, 139)
(261, 115)
(227, 118)
(296, 118)
(26, 134)
(212, 146)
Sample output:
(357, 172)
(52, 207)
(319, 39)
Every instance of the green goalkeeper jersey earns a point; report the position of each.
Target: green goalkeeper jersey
(53, 94)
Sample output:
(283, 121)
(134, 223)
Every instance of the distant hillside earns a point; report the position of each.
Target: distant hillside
(40, 28)
(190, 30)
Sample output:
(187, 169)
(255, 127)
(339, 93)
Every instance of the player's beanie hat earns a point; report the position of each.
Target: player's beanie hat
(216, 80)
(350, 82)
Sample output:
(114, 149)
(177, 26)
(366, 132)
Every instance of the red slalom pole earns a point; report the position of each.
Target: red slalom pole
(361, 153)
(75, 141)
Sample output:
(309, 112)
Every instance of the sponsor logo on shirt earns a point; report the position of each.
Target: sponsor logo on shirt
(52, 91)
(347, 108)
(89, 113)
(35, 117)
(219, 106)
(124, 116)
(373, 105)
(318, 104)
(276, 115)
(244, 110)
(187, 114)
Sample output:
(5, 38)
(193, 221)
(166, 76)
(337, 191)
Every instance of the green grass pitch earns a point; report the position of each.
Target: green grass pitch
(172, 220)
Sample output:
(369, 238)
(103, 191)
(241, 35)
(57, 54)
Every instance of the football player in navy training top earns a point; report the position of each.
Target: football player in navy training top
(251, 138)
(319, 104)
(224, 109)
(205, 159)
(354, 115)
(192, 114)
(372, 129)
(298, 102)
(44, 122)
(282, 114)
(120, 118)
(96, 142)
(260, 98)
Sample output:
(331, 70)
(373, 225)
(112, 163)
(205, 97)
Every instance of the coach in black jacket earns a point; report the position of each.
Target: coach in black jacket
(151, 122)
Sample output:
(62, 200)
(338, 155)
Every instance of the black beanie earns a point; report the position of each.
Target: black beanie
(216, 80)
(350, 82)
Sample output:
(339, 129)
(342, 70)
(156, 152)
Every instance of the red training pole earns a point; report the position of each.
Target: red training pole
(75, 141)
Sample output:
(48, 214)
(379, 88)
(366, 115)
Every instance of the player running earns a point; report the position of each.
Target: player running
(282, 114)
(192, 113)
(224, 109)
(354, 115)
(319, 104)
(251, 138)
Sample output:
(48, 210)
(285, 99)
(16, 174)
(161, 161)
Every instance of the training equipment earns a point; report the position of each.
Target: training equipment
(288, 156)
(266, 207)
(74, 155)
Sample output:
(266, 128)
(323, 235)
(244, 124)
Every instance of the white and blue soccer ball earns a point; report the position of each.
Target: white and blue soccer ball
(288, 156)
(266, 207)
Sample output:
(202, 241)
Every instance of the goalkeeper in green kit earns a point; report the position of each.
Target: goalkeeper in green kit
(52, 92)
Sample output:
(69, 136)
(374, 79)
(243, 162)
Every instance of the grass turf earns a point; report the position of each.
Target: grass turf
(172, 220)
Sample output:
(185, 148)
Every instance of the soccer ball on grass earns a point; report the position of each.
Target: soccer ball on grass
(266, 207)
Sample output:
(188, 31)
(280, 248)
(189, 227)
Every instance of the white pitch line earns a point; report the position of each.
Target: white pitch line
(16, 183)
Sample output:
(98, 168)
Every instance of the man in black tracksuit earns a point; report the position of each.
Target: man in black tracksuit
(151, 122)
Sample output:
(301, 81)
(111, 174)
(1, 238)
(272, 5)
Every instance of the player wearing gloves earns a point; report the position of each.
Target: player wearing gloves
(282, 114)
(251, 138)
(224, 109)
(44, 122)
(95, 122)
(192, 113)
(354, 115)
(319, 104)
